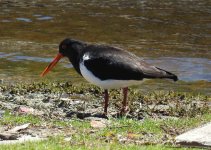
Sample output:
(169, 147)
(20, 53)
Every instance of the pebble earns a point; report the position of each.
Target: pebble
(68, 139)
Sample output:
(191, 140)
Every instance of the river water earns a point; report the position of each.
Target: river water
(174, 35)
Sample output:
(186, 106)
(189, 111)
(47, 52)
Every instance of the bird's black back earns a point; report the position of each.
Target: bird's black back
(108, 62)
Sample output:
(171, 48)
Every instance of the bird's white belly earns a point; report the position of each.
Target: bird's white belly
(106, 84)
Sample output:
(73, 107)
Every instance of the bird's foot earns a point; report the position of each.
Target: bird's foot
(124, 111)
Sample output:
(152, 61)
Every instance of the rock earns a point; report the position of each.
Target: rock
(25, 110)
(98, 124)
(13, 134)
(29, 110)
(68, 139)
(22, 139)
(18, 128)
(198, 137)
(8, 136)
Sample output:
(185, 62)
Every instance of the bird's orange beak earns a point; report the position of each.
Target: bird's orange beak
(52, 64)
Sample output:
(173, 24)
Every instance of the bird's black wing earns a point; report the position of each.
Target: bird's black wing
(113, 63)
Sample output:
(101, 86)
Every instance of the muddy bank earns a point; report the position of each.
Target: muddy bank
(67, 100)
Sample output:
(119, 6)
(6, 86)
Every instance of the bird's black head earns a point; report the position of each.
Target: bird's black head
(69, 47)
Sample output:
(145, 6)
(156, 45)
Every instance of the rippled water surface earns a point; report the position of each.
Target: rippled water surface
(174, 35)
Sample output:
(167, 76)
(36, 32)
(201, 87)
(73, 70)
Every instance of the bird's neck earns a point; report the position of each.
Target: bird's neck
(74, 58)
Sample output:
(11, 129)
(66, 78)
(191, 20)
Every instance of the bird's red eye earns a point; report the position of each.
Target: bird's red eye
(64, 46)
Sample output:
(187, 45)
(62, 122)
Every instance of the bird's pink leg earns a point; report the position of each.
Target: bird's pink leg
(106, 97)
(124, 102)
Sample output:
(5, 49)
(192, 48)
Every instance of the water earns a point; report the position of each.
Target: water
(174, 35)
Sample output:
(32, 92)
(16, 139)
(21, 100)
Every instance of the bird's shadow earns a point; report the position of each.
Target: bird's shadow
(85, 115)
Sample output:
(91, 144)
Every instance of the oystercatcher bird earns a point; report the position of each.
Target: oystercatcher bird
(107, 67)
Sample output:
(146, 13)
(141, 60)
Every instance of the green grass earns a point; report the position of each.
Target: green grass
(84, 137)
(15, 119)
(57, 143)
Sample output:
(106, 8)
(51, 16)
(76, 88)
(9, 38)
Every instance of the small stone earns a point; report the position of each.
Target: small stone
(28, 110)
(68, 139)
(98, 124)
(18, 128)
(25, 110)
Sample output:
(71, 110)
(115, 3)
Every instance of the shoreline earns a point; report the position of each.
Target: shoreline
(62, 95)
